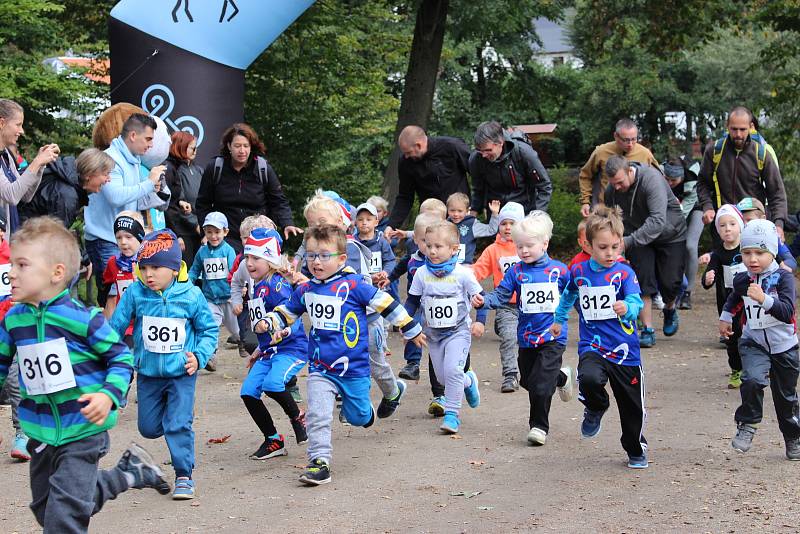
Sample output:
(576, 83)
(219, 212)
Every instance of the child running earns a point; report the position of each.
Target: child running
(608, 345)
(768, 345)
(75, 371)
(174, 336)
(118, 276)
(336, 300)
(469, 227)
(443, 289)
(538, 280)
(273, 365)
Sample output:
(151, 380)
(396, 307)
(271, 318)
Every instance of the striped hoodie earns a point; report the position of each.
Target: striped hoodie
(100, 362)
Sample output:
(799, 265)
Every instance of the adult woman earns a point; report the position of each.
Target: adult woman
(15, 188)
(240, 182)
(183, 179)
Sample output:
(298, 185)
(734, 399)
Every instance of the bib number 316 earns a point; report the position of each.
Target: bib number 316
(45, 367)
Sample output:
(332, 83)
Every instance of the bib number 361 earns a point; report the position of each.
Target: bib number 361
(597, 302)
(45, 367)
(163, 335)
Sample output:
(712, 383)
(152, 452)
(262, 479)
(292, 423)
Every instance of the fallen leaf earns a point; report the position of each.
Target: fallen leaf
(226, 376)
(476, 462)
(223, 439)
(485, 507)
(457, 494)
(455, 436)
(474, 494)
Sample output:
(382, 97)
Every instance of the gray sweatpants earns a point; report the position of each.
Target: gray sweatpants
(11, 389)
(379, 368)
(505, 326)
(448, 356)
(695, 228)
(66, 486)
(223, 314)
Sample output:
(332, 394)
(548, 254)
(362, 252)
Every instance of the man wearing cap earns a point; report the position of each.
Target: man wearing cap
(655, 236)
(738, 165)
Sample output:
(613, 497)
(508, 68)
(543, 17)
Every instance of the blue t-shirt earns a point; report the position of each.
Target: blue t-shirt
(274, 291)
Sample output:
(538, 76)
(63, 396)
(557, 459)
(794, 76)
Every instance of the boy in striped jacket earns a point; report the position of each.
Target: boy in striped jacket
(74, 372)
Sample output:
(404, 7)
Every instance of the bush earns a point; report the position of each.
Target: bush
(565, 211)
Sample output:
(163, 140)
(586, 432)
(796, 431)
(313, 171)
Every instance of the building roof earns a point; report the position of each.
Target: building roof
(97, 69)
(533, 129)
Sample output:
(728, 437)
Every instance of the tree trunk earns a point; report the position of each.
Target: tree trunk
(416, 103)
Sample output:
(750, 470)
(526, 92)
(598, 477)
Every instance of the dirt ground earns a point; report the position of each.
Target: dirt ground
(402, 475)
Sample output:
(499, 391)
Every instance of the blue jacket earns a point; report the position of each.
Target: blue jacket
(121, 193)
(470, 229)
(379, 244)
(275, 291)
(217, 291)
(181, 300)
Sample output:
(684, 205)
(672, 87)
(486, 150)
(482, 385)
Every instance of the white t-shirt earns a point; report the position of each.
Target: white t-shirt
(445, 302)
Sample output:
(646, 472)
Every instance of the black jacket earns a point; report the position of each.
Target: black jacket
(183, 180)
(516, 176)
(441, 172)
(59, 194)
(241, 194)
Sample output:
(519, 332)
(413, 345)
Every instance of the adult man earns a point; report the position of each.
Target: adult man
(507, 170)
(121, 193)
(655, 236)
(430, 167)
(741, 164)
(592, 179)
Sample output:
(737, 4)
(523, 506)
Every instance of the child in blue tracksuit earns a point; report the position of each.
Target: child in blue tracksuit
(538, 281)
(273, 364)
(336, 300)
(469, 227)
(174, 336)
(608, 345)
(212, 263)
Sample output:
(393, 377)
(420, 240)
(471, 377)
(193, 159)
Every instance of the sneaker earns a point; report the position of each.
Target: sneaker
(735, 380)
(141, 470)
(638, 462)
(723, 340)
(686, 301)
(451, 423)
(211, 366)
(567, 391)
(294, 391)
(410, 371)
(592, 423)
(233, 340)
(243, 351)
(316, 473)
(436, 407)
(658, 302)
(472, 393)
(537, 436)
(743, 439)
(19, 451)
(793, 449)
(647, 338)
(671, 321)
(388, 406)
(510, 384)
(299, 427)
(342, 419)
(271, 448)
(184, 489)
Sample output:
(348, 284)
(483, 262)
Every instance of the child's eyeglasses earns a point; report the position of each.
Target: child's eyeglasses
(324, 257)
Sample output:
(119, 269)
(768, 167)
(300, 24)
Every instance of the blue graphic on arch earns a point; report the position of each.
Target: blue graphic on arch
(158, 100)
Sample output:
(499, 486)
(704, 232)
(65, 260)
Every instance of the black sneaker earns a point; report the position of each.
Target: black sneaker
(510, 384)
(743, 439)
(793, 449)
(410, 371)
(270, 449)
(233, 340)
(686, 301)
(242, 350)
(387, 406)
(211, 366)
(299, 427)
(316, 473)
(146, 474)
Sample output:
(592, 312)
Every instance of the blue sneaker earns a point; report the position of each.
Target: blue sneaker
(184, 489)
(472, 393)
(671, 321)
(436, 407)
(638, 462)
(387, 406)
(591, 423)
(647, 338)
(19, 451)
(451, 423)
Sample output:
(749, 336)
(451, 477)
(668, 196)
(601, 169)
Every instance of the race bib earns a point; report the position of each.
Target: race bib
(596, 302)
(375, 263)
(163, 335)
(325, 311)
(45, 367)
(441, 313)
(462, 253)
(256, 311)
(540, 297)
(729, 271)
(757, 318)
(5, 282)
(215, 268)
(122, 285)
(506, 262)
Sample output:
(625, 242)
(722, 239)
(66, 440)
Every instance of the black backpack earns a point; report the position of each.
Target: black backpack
(262, 170)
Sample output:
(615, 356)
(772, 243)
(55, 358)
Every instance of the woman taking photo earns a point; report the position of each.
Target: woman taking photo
(240, 182)
(183, 179)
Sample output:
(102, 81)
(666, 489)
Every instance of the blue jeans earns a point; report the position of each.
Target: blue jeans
(166, 408)
(100, 251)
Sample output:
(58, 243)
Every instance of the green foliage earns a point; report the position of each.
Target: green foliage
(565, 211)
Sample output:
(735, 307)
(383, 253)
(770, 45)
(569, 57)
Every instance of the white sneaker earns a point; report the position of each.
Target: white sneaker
(567, 391)
(537, 436)
(658, 302)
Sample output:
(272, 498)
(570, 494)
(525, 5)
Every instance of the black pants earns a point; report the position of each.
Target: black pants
(538, 369)
(659, 268)
(780, 371)
(436, 388)
(732, 344)
(627, 383)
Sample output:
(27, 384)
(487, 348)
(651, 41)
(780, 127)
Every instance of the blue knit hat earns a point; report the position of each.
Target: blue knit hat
(160, 249)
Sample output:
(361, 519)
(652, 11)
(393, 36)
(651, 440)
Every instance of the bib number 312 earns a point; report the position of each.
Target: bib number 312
(597, 302)
(45, 367)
